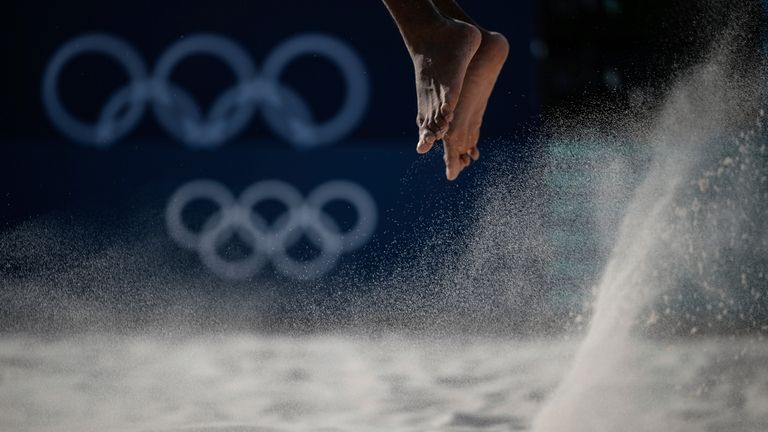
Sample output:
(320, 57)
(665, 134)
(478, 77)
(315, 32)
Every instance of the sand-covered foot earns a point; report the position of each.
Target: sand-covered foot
(464, 131)
(440, 59)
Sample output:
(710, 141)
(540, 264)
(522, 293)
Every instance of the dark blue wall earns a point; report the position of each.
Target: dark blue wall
(128, 181)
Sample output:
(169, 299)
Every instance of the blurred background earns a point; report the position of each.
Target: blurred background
(131, 130)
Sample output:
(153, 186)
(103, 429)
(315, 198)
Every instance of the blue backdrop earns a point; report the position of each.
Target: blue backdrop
(118, 106)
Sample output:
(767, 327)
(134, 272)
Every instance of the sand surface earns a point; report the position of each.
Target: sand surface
(343, 383)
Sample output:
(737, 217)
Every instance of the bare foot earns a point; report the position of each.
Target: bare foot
(464, 131)
(440, 59)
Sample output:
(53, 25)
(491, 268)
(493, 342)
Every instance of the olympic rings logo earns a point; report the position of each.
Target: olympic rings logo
(270, 242)
(284, 110)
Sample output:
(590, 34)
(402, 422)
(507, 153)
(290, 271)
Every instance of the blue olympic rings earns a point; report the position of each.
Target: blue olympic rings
(285, 111)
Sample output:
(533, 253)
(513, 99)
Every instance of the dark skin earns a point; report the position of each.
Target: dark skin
(456, 63)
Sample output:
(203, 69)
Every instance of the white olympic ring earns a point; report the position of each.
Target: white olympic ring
(271, 242)
(177, 111)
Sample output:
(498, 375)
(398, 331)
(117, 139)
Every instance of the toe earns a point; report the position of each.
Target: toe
(443, 118)
(441, 123)
(447, 112)
(465, 160)
(426, 141)
(435, 127)
(427, 137)
(424, 145)
(474, 153)
(453, 164)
